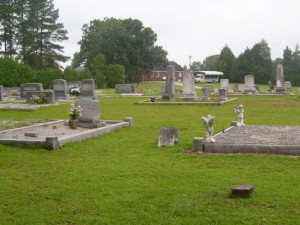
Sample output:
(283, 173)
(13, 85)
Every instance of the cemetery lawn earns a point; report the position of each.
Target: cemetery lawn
(123, 178)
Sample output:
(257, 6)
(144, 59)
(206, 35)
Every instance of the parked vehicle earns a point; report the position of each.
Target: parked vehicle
(207, 76)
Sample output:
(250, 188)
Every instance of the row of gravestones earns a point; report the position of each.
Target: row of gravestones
(87, 90)
(128, 89)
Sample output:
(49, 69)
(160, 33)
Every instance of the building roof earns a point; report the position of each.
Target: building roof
(165, 68)
(209, 73)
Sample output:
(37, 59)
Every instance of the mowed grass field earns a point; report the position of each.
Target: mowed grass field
(124, 178)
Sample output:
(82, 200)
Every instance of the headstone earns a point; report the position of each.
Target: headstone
(30, 87)
(222, 94)
(279, 80)
(139, 90)
(210, 88)
(123, 88)
(87, 89)
(6, 91)
(48, 95)
(236, 88)
(170, 84)
(298, 90)
(198, 144)
(60, 89)
(287, 86)
(1, 93)
(249, 85)
(90, 117)
(241, 87)
(205, 96)
(224, 83)
(168, 137)
(15, 91)
(189, 93)
(279, 76)
(133, 89)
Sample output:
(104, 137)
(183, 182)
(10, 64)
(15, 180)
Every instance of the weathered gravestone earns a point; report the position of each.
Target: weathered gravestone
(1, 93)
(60, 88)
(224, 83)
(87, 89)
(168, 137)
(189, 93)
(210, 88)
(279, 79)
(90, 117)
(241, 87)
(30, 87)
(236, 88)
(205, 96)
(163, 90)
(222, 94)
(123, 88)
(249, 85)
(287, 86)
(170, 84)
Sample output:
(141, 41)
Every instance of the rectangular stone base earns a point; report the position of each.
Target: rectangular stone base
(242, 191)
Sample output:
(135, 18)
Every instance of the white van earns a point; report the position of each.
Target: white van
(207, 76)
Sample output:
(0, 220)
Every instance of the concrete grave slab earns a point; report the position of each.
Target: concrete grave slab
(283, 140)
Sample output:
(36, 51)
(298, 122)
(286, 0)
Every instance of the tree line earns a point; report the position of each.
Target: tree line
(253, 61)
(30, 33)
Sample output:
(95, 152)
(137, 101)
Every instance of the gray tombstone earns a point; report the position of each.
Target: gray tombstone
(250, 87)
(189, 93)
(123, 88)
(298, 90)
(170, 84)
(168, 137)
(279, 76)
(236, 88)
(163, 90)
(87, 89)
(30, 87)
(241, 87)
(60, 89)
(287, 86)
(90, 117)
(205, 96)
(210, 88)
(1, 93)
(224, 83)
(222, 94)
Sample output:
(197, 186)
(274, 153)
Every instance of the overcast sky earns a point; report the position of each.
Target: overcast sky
(196, 28)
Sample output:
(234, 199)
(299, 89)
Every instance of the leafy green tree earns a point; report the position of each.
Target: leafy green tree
(196, 66)
(291, 65)
(126, 42)
(226, 62)
(7, 28)
(210, 62)
(115, 74)
(46, 76)
(242, 67)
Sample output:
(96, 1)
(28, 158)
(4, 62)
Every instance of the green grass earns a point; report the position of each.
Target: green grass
(123, 178)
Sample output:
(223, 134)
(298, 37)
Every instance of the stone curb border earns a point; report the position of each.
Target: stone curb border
(148, 102)
(54, 143)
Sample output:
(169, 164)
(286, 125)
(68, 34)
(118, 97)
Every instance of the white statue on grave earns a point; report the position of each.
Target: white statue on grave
(239, 110)
(208, 122)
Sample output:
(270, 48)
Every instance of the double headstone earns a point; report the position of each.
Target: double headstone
(87, 89)
(30, 87)
(189, 93)
(60, 89)
(170, 84)
(250, 87)
(90, 117)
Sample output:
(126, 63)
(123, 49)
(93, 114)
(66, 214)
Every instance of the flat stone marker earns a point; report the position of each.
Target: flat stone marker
(242, 191)
(168, 136)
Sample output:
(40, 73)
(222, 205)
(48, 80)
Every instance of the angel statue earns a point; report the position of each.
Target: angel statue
(239, 110)
(208, 122)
